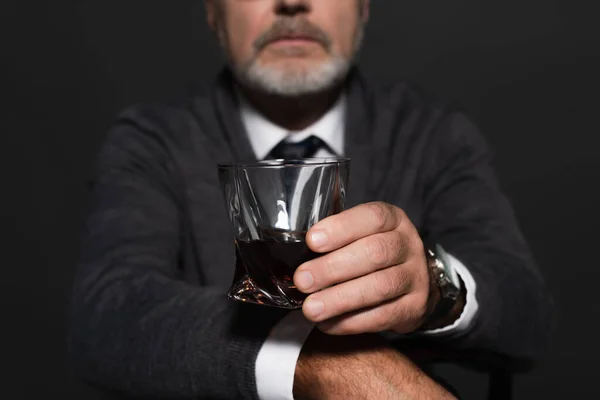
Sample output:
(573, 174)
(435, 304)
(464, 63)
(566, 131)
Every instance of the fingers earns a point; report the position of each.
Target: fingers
(363, 292)
(359, 258)
(403, 315)
(374, 276)
(341, 229)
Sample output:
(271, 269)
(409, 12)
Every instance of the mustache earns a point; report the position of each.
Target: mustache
(292, 27)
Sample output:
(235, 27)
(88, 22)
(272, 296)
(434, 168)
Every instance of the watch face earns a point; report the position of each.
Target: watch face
(441, 274)
(446, 262)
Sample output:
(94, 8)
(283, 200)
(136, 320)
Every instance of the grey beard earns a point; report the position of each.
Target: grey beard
(281, 82)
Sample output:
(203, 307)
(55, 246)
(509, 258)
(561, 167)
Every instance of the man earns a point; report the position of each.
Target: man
(150, 313)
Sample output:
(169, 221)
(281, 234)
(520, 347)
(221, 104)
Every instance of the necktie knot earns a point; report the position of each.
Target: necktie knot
(305, 149)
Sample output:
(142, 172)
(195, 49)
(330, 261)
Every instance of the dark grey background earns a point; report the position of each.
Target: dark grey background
(525, 69)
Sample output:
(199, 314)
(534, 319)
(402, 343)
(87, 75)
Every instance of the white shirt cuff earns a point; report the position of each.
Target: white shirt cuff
(277, 358)
(471, 306)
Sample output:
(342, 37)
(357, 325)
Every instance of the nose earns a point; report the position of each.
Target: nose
(292, 8)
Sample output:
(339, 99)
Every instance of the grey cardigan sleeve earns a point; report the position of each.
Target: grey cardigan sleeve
(467, 213)
(137, 327)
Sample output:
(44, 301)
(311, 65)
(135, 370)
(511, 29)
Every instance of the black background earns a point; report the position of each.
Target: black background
(526, 70)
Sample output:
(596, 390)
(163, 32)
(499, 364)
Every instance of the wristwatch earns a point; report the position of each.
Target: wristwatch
(446, 280)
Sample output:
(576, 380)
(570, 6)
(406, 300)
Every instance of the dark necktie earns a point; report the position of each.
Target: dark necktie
(294, 151)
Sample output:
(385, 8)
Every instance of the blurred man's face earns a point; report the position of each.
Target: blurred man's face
(289, 47)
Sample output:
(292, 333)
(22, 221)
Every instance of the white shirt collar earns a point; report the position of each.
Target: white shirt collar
(265, 135)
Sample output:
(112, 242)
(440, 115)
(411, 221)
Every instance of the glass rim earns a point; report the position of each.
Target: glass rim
(291, 163)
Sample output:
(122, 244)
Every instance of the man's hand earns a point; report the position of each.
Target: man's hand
(375, 276)
(359, 367)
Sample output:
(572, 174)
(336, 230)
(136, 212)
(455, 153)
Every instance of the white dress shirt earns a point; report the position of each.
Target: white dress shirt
(276, 361)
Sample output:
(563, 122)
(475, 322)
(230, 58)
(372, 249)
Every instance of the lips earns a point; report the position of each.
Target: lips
(293, 38)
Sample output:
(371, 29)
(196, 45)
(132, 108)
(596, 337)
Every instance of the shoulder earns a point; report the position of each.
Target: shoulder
(407, 109)
(160, 124)
(422, 119)
(407, 98)
(168, 117)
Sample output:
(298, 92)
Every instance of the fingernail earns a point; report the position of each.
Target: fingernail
(312, 307)
(304, 280)
(318, 238)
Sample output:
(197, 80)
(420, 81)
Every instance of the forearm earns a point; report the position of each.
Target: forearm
(504, 308)
(359, 366)
(471, 218)
(515, 310)
(148, 335)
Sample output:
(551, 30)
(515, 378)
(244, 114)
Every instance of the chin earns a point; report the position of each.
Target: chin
(295, 77)
(295, 67)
